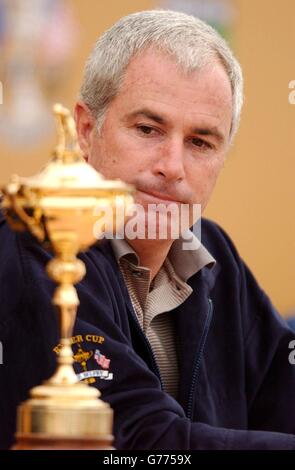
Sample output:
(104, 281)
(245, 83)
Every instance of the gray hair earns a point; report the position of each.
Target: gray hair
(191, 41)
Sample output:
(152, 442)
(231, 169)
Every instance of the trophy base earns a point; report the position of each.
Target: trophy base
(64, 417)
(47, 442)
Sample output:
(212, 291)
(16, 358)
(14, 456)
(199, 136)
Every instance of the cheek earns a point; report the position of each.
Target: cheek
(131, 152)
(104, 155)
(96, 154)
(203, 179)
(115, 156)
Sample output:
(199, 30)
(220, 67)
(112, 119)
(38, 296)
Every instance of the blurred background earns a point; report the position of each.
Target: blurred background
(43, 47)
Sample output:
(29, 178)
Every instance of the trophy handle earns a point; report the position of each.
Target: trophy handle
(67, 148)
(17, 216)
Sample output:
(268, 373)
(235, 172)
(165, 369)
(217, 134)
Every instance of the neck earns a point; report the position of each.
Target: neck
(152, 253)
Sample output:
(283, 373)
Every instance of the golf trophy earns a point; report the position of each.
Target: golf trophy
(57, 207)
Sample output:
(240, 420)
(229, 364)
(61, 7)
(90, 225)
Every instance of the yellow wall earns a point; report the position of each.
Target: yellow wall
(255, 196)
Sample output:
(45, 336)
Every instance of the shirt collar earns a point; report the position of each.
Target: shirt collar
(186, 262)
(188, 256)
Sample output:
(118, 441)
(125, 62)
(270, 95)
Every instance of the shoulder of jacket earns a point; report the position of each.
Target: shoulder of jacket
(218, 242)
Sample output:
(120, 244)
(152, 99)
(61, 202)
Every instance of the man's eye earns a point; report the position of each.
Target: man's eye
(145, 129)
(200, 143)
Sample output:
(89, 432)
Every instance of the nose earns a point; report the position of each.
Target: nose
(169, 162)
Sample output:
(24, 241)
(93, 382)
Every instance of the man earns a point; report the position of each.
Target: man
(196, 354)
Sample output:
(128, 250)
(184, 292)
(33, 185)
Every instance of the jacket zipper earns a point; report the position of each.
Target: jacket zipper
(198, 360)
(147, 343)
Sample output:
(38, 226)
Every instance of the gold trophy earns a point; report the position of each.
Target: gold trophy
(57, 206)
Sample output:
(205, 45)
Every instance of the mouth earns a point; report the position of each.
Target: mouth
(156, 198)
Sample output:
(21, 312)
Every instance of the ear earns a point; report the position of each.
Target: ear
(86, 125)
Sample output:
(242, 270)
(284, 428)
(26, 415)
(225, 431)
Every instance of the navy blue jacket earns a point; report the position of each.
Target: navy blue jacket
(236, 383)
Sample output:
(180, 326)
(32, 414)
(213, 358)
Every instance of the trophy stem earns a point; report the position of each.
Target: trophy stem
(64, 374)
(65, 269)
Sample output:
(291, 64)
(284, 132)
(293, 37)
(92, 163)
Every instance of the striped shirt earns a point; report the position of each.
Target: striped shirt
(154, 301)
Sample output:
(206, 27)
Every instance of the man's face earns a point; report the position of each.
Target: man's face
(165, 132)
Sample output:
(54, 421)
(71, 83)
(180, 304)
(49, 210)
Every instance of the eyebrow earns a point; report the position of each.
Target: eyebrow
(145, 112)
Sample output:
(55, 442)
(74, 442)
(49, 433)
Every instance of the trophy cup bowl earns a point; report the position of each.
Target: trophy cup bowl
(58, 207)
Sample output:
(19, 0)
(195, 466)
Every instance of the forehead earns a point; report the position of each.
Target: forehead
(155, 79)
